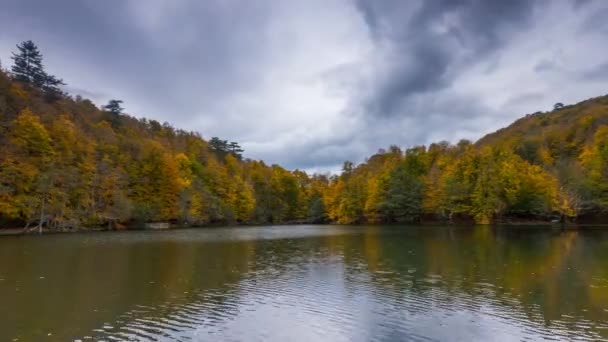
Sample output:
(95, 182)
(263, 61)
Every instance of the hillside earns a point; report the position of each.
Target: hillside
(568, 142)
(563, 131)
(69, 164)
(544, 166)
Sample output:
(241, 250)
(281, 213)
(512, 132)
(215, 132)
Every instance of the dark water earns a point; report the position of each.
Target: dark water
(309, 283)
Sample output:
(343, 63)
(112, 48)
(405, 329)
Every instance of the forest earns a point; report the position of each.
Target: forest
(68, 164)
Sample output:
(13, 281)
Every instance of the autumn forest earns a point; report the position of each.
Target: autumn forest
(67, 164)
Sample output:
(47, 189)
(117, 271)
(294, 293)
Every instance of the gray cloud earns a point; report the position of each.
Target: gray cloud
(596, 73)
(311, 84)
(545, 65)
(428, 44)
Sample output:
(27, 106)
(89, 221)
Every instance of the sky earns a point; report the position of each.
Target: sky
(310, 84)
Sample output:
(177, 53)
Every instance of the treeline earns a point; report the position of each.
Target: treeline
(66, 163)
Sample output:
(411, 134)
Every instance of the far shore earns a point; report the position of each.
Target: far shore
(45, 231)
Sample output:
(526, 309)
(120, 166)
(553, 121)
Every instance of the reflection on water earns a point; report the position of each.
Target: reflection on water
(333, 283)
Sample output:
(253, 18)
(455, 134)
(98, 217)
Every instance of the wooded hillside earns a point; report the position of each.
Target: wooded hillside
(67, 163)
(545, 166)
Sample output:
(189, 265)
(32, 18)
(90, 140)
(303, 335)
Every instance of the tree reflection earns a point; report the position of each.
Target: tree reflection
(192, 279)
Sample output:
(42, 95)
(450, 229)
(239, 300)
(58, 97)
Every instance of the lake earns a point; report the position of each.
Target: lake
(307, 283)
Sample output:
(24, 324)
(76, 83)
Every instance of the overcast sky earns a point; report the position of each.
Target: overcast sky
(309, 84)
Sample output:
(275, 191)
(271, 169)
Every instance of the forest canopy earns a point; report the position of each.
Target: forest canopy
(67, 163)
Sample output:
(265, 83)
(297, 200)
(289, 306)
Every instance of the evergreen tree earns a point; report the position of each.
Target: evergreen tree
(219, 147)
(51, 86)
(113, 107)
(28, 68)
(235, 149)
(403, 195)
(27, 65)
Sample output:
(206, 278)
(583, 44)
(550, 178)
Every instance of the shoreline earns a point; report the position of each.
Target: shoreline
(544, 224)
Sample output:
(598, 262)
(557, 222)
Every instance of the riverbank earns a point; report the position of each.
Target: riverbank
(21, 231)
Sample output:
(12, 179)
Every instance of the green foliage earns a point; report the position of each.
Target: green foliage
(27, 65)
(114, 107)
(402, 196)
(222, 148)
(28, 68)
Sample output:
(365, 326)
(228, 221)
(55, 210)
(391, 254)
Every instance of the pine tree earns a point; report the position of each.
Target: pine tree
(114, 107)
(51, 86)
(236, 149)
(28, 68)
(219, 147)
(28, 64)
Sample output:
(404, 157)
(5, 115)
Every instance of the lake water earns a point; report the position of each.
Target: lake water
(307, 283)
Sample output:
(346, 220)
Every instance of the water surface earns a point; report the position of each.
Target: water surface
(307, 283)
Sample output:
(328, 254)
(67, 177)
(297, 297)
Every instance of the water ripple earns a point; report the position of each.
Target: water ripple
(292, 288)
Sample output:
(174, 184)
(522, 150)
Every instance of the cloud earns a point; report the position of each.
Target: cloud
(425, 50)
(460, 69)
(596, 73)
(310, 84)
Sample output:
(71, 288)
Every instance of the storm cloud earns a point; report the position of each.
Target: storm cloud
(309, 84)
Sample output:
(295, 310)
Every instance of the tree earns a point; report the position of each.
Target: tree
(595, 160)
(316, 210)
(28, 68)
(221, 148)
(347, 167)
(404, 189)
(113, 107)
(558, 106)
(51, 86)
(34, 154)
(235, 149)
(27, 65)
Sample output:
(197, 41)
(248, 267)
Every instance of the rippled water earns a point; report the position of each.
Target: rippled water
(307, 283)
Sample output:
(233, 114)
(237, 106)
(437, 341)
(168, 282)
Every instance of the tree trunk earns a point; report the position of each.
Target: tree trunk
(27, 226)
(41, 215)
